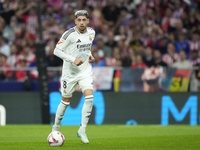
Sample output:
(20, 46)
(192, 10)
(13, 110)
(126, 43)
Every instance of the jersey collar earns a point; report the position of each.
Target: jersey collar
(79, 32)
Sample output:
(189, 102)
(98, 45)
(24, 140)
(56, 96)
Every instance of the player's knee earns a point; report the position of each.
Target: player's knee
(66, 99)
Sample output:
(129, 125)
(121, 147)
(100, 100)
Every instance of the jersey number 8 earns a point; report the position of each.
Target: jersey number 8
(64, 84)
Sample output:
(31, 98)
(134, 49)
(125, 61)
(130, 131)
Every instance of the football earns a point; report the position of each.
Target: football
(56, 138)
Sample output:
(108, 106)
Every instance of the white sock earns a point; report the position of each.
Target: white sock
(86, 112)
(60, 112)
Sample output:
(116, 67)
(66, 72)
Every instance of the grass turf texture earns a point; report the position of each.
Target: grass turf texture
(104, 137)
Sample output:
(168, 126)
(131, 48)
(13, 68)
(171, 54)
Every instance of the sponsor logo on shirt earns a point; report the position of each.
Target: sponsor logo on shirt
(84, 47)
(78, 41)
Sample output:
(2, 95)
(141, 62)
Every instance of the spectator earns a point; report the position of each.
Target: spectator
(158, 59)
(193, 20)
(51, 42)
(12, 58)
(139, 62)
(21, 74)
(194, 58)
(112, 61)
(5, 73)
(12, 29)
(148, 56)
(153, 38)
(140, 50)
(144, 5)
(4, 47)
(97, 12)
(110, 13)
(178, 11)
(52, 27)
(2, 24)
(98, 62)
(28, 55)
(103, 50)
(94, 20)
(182, 44)
(111, 43)
(179, 27)
(121, 34)
(195, 41)
(161, 45)
(124, 17)
(118, 63)
(145, 35)
(167, 19)
(31, 19)
(172, 37)
(171, 56)
(104, 33)
(123, 49)
(183, 63)
(135, 41)
(50, 13)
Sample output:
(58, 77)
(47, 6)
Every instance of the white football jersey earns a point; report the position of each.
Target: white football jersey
(76, 45)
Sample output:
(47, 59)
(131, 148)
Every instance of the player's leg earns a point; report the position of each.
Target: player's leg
(66, 89)
(87, 89)
(87, 108)
(60, 112)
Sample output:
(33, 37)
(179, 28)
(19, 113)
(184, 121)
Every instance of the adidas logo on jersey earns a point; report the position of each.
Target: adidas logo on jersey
(78, 41)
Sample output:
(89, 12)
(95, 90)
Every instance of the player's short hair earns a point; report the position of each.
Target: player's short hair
(81, 13)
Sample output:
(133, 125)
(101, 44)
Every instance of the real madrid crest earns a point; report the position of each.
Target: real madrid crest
(64, 91)
(90, 38)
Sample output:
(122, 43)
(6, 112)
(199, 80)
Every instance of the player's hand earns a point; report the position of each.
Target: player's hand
(91, 59)
(78, 61)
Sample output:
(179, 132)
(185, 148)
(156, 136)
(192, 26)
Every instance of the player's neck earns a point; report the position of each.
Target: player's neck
(84, 31)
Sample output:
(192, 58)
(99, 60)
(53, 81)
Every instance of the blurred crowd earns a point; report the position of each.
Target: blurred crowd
(129, 33)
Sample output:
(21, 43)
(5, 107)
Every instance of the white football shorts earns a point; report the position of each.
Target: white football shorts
(68, 86)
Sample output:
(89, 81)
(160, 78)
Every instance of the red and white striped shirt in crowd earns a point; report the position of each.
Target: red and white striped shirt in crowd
(32, 22)
(195, 61)
(194, 45)
(30, 58)
(169, 60)
(143, 6)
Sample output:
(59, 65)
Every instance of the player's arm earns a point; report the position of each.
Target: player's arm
(58, 51)
(91, 59)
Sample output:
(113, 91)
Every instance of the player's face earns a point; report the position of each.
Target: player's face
(81, 23)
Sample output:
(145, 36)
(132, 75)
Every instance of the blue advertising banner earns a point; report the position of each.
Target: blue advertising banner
(132, 108)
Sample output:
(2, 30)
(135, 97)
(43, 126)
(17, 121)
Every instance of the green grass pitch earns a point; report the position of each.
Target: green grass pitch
(104, 137)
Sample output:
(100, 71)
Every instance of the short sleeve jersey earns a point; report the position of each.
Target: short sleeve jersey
(77, 45)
